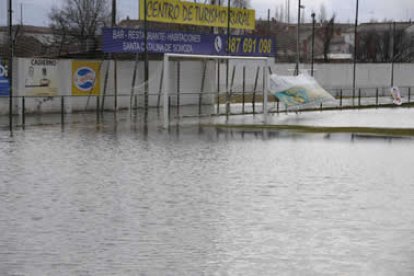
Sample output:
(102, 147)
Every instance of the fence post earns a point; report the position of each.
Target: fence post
(200, 96)
(218, 86)
(62, 109)
(230, 92)
(254, 89)
(244, 88)
(376, 96)
(359, 97)
(340, 97)
(23, 112)
(178, 87)
(169, 108)
(409, 94)
(97, 105)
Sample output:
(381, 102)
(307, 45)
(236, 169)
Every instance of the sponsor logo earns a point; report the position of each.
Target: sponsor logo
(3, 71)
(218, 44)
(84, 78)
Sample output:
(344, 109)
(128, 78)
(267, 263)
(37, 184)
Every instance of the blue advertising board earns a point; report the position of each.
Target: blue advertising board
(4, 80)
(121, 40)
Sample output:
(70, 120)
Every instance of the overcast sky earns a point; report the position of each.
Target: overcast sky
(35, 11)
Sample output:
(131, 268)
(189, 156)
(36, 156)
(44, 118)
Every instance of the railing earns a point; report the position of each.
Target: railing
(185, 104)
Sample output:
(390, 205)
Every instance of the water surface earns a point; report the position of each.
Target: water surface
(114, 198)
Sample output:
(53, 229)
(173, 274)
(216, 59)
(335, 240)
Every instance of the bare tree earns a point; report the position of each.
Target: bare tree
(78, 21)
(328, 33)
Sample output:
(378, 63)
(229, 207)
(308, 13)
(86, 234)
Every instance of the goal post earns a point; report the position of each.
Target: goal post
(264, 63)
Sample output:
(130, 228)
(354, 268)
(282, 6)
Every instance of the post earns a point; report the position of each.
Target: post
(97, 106)
(115, 85)
(376, 96)
(393, 54)
(266, 88)
(105, 85)
(10, 69)
(23, 112)
(227, 60)
(203, 79)
(355, 52)
(243, 88)
(218, 86)
(165, 91)
(178, 86)
(254, 88)
(62, 109)
(313, 41)
(134, 77)
(113, 14)
(113, 23)
(146, 65)
(160, 90)
(409, 94)
(297, 42)
(359, 97)
(232, 84)
(340, 97)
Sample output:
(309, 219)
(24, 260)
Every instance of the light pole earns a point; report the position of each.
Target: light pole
(313, 41)
(297, 40)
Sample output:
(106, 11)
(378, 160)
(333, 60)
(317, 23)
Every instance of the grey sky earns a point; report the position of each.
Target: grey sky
(35, 11)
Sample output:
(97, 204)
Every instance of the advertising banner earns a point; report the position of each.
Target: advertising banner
(85, 77)
(120, 40)
(298, 90)
(41, 78)
(4, 79)
(182, 12)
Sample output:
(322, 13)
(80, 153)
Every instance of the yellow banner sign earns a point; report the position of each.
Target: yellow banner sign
(85, 77)
(181, 12)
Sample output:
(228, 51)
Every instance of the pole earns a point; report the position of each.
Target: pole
(313, 42)
(113, 15)
(165, 88)
(134, 77)
(288, 12)
(227, 61)
(243, 88)
(21, 14)
(297, 42)
(178, 86)
(113, 23)
(146, 71)
(393, 54)
(355, 51)
(10, 68)
(266, 88)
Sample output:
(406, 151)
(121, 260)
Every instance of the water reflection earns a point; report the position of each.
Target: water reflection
(126, 198)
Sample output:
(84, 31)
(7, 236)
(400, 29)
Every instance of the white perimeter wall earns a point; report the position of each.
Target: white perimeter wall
(330, 76)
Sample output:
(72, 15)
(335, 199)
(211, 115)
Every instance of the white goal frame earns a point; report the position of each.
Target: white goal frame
(166, 84)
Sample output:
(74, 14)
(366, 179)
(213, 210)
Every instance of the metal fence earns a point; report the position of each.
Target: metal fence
(240, 103)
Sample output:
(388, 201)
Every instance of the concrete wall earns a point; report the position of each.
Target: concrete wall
(330, 76)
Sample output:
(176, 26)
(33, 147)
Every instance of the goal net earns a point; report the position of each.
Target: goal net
(204, 85)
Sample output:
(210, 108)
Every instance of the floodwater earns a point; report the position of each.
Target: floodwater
(115, 198)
